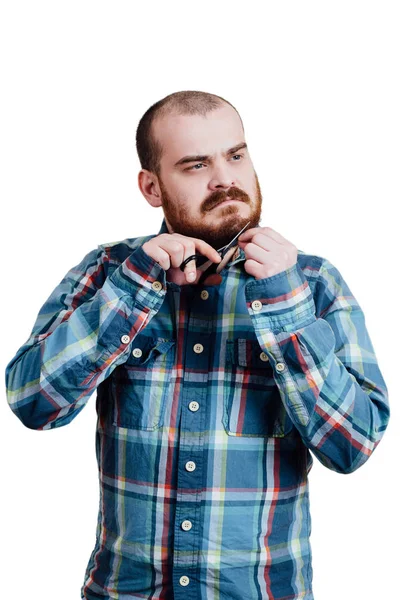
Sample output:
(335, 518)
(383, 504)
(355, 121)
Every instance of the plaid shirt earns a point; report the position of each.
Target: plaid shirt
(209, 401)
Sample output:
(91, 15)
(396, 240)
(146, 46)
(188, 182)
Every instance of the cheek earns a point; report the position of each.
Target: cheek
(185, 195)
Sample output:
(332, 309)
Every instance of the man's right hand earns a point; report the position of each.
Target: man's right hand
(171, 249)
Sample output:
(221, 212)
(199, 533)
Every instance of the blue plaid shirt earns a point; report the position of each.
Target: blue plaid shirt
(209, 401)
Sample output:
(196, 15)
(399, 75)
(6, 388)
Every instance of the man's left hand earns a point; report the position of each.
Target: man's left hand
(267, 252)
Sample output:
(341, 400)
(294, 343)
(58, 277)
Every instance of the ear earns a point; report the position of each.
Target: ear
(148, 185)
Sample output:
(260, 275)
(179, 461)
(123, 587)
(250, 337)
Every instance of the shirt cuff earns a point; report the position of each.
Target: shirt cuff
(282, 302)
(143, 278)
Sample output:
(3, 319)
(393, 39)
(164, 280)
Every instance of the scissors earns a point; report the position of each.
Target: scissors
(226, 252)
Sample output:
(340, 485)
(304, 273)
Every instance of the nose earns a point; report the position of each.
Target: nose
(221, 178)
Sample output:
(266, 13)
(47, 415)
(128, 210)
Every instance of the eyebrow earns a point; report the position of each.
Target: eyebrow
(203, 157)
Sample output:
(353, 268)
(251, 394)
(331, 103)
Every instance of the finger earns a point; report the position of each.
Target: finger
(248, 234)
(254, 268)
(175, 249)
(264, 241)
(259, 254)
(267, 231)
(163, 259)
(201, 247)
(190, 270)
(180, 250)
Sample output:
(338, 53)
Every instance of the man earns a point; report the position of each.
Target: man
(211, 399)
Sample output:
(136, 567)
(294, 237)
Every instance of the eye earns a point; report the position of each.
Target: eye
(193, 168)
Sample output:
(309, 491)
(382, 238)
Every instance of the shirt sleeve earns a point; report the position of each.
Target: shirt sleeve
(323, 360)
(82, 333)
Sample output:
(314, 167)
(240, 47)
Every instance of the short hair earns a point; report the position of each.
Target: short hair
(187, 102)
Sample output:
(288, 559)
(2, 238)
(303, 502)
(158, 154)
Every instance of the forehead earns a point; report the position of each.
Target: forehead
(182, 135)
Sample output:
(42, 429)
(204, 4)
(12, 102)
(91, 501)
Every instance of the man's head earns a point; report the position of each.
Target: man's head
(193, 155)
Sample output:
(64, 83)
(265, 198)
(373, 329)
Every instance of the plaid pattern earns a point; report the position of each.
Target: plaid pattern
(208, 405)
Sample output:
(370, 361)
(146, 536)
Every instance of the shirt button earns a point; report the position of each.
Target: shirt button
(264, 356)
(198, 348)
(184, 580)
(125, 339)
(186, 525)
(137, 352)
(256, 305)
(190, 465)
(280, 367)
(204, 295)
(157, 286)
(193, 406)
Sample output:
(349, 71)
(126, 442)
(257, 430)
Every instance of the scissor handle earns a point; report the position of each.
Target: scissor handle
(199, 258)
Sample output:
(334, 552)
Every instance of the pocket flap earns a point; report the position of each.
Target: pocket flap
(246, 353)
(145, 349)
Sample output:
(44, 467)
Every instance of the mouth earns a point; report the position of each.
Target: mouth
(227, 201)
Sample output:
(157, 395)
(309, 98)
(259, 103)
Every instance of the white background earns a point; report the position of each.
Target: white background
(317, 86)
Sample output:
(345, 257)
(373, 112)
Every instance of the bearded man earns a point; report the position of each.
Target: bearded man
(222, 364)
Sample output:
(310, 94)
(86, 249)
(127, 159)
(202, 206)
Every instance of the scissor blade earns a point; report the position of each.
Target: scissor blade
(226, 248)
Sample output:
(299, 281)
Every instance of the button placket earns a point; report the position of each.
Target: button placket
(196, 340)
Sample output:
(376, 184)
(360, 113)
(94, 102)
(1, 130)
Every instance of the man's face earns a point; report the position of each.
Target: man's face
(195, 192)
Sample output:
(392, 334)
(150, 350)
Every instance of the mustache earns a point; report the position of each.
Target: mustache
(234, 194)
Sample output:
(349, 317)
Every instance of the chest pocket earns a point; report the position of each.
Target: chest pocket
(252, 403)
(140, 387)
